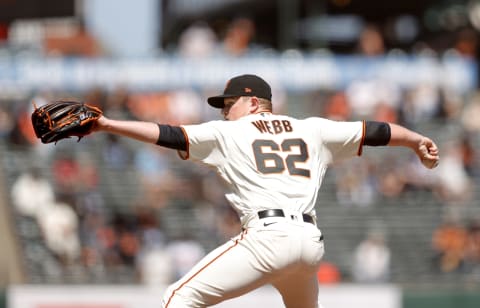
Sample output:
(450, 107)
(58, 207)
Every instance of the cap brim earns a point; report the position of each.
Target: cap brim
(218, 101)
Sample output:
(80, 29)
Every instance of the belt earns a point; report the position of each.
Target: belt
(281, 213)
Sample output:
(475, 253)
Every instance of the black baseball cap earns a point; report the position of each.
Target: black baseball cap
(243, 85)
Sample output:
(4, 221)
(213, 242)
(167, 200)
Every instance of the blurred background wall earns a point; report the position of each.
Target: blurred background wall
(109, 211)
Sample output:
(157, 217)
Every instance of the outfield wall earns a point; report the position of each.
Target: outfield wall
(442, 299)
(341, 296)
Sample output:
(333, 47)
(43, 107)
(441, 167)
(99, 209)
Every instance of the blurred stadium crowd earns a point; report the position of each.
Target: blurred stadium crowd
(109, 210)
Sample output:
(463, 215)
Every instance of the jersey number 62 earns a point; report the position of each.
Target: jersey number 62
(276, 163)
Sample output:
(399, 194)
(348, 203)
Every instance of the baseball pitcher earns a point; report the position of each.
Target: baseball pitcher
(273, 166)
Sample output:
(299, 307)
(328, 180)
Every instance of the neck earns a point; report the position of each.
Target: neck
(263, 110)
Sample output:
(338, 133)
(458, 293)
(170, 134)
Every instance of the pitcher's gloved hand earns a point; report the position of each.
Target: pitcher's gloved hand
(62, 119)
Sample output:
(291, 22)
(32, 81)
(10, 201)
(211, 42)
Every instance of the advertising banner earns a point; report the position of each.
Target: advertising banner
(92, 296)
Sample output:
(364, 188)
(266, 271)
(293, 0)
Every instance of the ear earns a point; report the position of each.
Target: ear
(254, 104)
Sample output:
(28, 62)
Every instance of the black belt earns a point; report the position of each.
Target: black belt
(280, 213)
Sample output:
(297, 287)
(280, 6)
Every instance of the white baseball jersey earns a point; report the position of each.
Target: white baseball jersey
(273, 161)
(269, 162)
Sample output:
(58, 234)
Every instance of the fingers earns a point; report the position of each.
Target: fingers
(430, 163)
(428, 153)
(433, 158)
(100, 123)
(432, 148)
(433, 151)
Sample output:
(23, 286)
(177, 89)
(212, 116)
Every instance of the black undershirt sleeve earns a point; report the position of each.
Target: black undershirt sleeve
(377, 133)
(171, 137)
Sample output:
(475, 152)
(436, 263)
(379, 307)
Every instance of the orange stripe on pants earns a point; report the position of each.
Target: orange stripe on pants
(203, 268)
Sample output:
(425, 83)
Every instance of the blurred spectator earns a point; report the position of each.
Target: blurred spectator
(93, 238)
(59, 224)
(23, 134)
(365, 95)
(116, 154)
(155, 265)
(371, 261)
(89, 204)
(197, 41)
(3, 32)
(424, 49)
(126, 243)
(371, 41)
(238, 37)
(451, 105)
(96, 96)
(116, 103)
(469, 155)
(328, 273)
(74, 175)
(448, 242)
(66, 174)
(421, 103)
(6, 122)
(185, 252)
(391, 182)
(156, 178)
(105, 240)
(337, 107)
(385, 113)
(228, 224)
(150, 106)
(471, 113)
(354, 183)
(466, 43)
(211, 206)
(149, 228)
(31, 192)
(453, 185)
(87, 174)
(184, 106)
(414, 176)
(77, 41)
(472, 251)
(92, 219)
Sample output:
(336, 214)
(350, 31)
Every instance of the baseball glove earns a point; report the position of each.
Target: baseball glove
(63, 119)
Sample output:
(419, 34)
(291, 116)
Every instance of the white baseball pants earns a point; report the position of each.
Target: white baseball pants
(274, 250)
